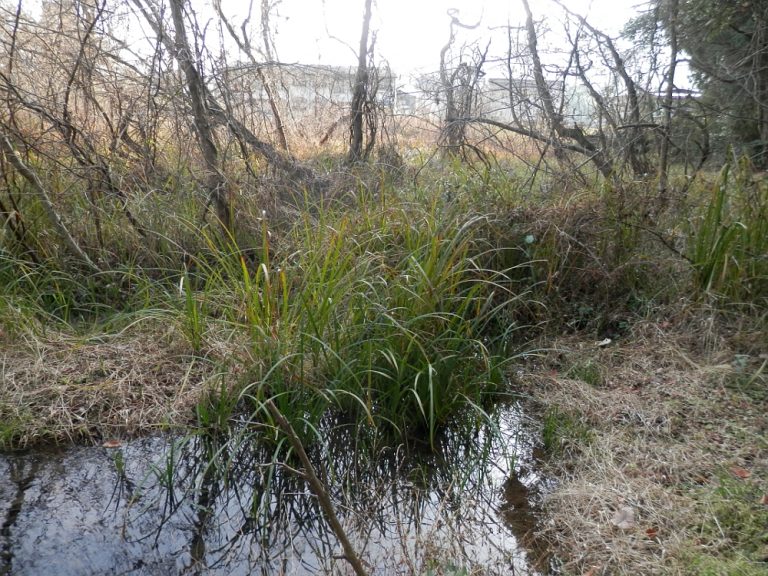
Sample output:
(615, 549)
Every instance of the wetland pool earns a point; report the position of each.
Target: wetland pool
(170, 505)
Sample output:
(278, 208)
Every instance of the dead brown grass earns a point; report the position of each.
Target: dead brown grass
(666, 423)
(62, 387)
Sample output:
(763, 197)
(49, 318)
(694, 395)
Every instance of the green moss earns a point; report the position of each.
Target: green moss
(733, 530)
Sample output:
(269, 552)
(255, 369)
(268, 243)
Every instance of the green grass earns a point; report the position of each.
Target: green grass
(703, 565)
(733, 530)
(588, 371)
(561, 429)
(729, 241)
(13, 429)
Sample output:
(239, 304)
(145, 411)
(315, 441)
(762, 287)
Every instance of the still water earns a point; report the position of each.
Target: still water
(168, 506)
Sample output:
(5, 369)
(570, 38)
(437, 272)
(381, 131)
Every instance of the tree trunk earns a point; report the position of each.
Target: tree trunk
(215, 182)
(666, 131)
(360, 94)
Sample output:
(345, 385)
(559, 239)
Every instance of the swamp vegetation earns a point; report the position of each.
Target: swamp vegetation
(444, 315)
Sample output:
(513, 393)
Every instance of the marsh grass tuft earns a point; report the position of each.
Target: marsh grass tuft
(390, 315)
(730, 240)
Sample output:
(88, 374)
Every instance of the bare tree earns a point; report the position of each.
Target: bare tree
(50, 211)
(72, 46)
(554, 116)
(458, 86)
(669, 95)
(361, 98)
(583, 107)
(243, 42)
(215, 182)
(625, 120)
(221, 116)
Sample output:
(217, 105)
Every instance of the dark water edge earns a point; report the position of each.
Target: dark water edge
(195, 506)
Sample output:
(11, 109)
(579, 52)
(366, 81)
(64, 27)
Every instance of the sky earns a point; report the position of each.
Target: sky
(410, 33)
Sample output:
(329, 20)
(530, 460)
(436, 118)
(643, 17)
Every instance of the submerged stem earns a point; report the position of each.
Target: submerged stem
(317, 487)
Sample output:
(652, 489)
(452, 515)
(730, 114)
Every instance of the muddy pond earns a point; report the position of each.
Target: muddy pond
(163, 505)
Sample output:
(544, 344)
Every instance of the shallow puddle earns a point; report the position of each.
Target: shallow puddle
(188, 506)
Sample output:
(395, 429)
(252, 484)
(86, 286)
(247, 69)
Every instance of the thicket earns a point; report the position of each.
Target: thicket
(392, 283)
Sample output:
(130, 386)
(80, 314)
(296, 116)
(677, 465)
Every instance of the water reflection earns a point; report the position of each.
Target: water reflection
(232, 505)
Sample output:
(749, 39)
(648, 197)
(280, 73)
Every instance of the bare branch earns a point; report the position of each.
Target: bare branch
(317, 487)
(15, 159)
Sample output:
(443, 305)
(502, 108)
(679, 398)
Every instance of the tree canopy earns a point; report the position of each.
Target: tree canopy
(728, 47)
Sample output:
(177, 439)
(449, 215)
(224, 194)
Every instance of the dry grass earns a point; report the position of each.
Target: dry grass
(63, 387)
(666, 425)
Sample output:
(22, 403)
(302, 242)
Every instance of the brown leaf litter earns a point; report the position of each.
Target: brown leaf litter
(62, 387)
(664, 421)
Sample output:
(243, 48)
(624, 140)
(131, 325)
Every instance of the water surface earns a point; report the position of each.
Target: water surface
(194, 505)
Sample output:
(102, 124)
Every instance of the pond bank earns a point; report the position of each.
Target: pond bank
(659, 442)
(656, 442)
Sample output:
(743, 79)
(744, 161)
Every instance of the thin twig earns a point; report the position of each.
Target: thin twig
(317, 487)
(15, 159)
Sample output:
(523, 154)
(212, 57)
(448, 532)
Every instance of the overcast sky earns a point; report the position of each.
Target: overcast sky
(410, 33)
